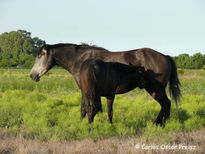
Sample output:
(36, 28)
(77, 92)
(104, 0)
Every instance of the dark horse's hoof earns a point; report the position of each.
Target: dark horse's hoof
(82, 117)
(90, 128)
(162, 124)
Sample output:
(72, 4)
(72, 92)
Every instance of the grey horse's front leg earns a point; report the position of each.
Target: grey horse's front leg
(83, 106)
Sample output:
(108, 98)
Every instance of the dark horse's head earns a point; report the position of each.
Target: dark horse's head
(44, 61)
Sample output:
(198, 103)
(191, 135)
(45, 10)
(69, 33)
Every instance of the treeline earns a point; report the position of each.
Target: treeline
(18, 49)
(184, 61)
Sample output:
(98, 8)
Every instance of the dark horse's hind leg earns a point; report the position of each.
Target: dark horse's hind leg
(110, 108)
(160, 96)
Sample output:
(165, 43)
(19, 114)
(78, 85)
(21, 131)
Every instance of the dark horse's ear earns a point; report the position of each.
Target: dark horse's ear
(44, 44)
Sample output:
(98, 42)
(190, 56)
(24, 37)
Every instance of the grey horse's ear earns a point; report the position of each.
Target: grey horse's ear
(44, 44)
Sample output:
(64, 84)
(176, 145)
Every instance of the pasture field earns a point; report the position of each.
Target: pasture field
(48, 112)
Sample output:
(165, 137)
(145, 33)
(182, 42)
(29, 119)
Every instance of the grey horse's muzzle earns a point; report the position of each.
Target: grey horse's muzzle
(35, 77)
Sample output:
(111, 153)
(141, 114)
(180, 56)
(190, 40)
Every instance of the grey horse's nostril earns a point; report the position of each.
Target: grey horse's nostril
(31, 76)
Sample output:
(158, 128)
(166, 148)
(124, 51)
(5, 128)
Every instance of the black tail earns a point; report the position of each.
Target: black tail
(174, 83)
(92, 81)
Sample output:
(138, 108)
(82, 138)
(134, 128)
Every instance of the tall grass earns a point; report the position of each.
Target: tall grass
(34, 114)
(50, 84)
(50, 109)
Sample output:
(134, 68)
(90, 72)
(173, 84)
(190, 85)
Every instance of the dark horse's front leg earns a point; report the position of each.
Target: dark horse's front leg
(110, 101)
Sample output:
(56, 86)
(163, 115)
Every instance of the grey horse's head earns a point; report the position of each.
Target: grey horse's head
(43, 62)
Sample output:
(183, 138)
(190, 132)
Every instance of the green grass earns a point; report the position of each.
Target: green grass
(199, 72)
(50, 109)
(193, 86)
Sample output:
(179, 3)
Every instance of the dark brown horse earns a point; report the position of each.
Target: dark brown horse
(98, 78)
(160, 69)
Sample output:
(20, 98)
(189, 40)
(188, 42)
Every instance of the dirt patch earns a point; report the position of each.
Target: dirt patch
(181, 142)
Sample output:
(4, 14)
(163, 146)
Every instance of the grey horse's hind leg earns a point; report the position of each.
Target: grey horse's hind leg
(160, 96)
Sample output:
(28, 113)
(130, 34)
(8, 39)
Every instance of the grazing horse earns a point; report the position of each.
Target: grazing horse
(98, 78)
(160, 69)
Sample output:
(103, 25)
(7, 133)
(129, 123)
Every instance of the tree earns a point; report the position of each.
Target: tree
(196, 61)
(0, 54)
(182, 60)
(17, 44)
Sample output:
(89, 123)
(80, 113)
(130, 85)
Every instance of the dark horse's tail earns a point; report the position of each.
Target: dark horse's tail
(93, 81)
(174, 83)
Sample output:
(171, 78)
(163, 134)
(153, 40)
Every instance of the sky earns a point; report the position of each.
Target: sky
(171, 27)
